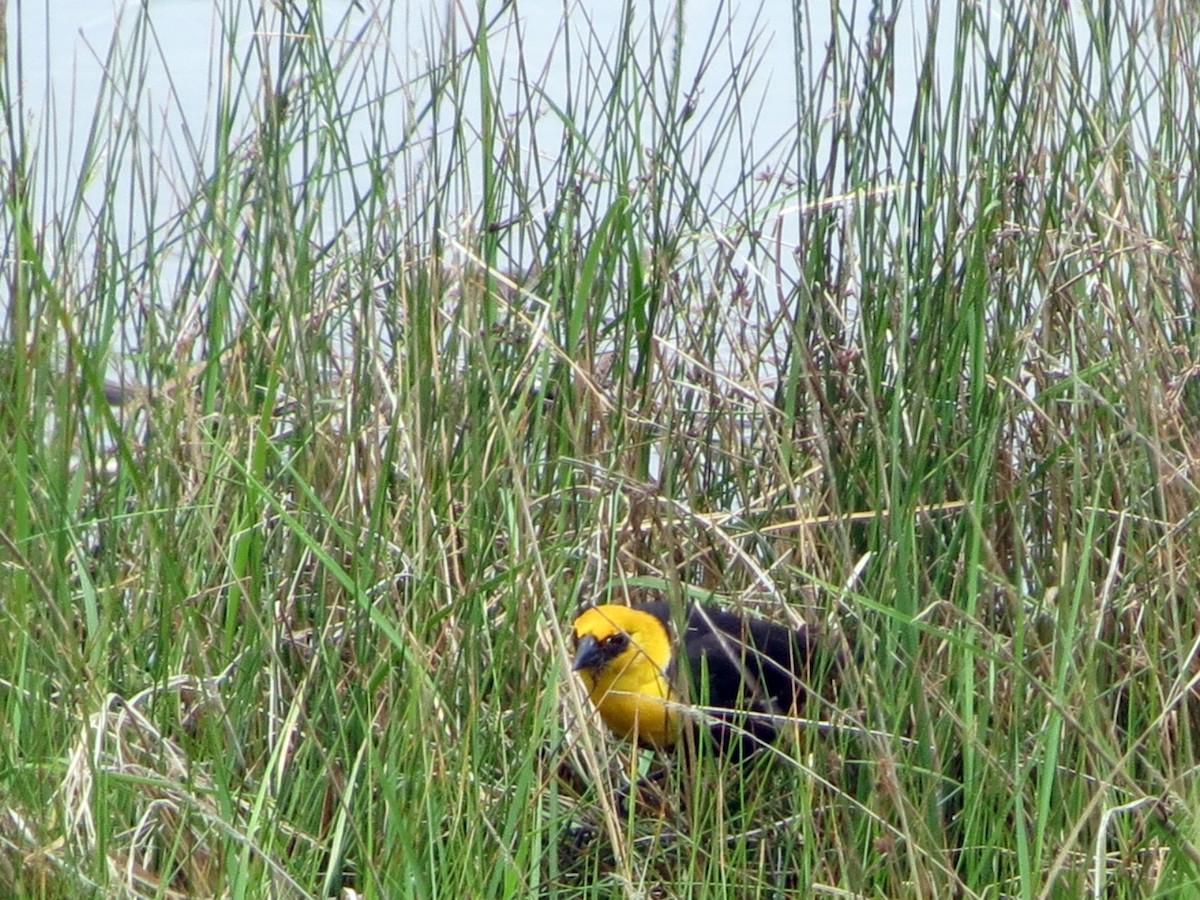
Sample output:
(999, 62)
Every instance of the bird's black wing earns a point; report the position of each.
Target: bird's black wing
(746, 665)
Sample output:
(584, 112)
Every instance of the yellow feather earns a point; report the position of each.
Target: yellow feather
(631, 689)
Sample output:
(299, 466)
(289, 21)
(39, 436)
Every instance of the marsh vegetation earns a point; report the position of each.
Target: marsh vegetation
(318, 422)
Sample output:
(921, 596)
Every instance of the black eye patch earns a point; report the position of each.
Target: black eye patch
(615, 643)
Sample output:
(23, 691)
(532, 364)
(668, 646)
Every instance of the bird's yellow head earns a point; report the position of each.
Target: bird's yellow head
(623, 656)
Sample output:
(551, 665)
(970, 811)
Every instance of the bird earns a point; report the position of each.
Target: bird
(744, 670)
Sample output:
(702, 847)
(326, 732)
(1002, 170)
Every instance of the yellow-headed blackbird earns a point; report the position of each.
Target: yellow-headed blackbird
(630, 662)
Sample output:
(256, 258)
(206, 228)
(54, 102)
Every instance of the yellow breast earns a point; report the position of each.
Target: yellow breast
(633, 703)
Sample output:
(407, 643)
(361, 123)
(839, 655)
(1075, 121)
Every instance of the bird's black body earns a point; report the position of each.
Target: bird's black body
(743, 669)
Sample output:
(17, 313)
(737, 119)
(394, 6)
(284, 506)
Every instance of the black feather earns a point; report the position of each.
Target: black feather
(743, 664)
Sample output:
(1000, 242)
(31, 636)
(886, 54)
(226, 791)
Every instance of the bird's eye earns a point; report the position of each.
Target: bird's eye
(617, 641)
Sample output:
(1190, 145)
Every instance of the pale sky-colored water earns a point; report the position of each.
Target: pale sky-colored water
(68, 49)
(168, 76)
(65, 50)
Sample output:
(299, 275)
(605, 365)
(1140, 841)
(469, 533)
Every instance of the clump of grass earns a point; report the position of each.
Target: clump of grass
(306, 465)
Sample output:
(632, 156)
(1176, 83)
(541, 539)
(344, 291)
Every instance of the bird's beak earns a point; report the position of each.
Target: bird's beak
(587, 654)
